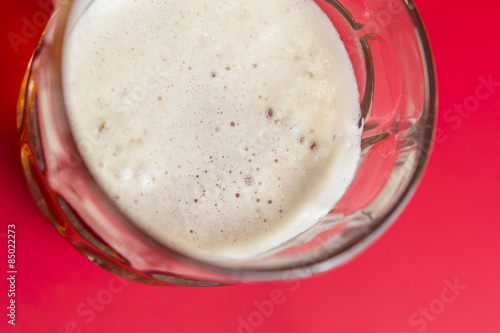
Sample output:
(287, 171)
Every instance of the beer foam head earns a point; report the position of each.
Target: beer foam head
(223, 128)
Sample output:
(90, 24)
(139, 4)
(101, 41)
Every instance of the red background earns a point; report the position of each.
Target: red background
(450, 231)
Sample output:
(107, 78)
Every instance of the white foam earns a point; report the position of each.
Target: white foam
(223, 128)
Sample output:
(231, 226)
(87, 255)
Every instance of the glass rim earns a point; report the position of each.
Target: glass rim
(241, 273)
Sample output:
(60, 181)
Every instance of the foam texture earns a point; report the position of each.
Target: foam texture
(223, 128)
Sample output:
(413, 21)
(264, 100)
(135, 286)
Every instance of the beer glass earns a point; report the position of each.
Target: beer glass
(389, 50)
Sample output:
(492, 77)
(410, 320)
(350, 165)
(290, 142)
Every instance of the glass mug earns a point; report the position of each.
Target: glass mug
(388, 48)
